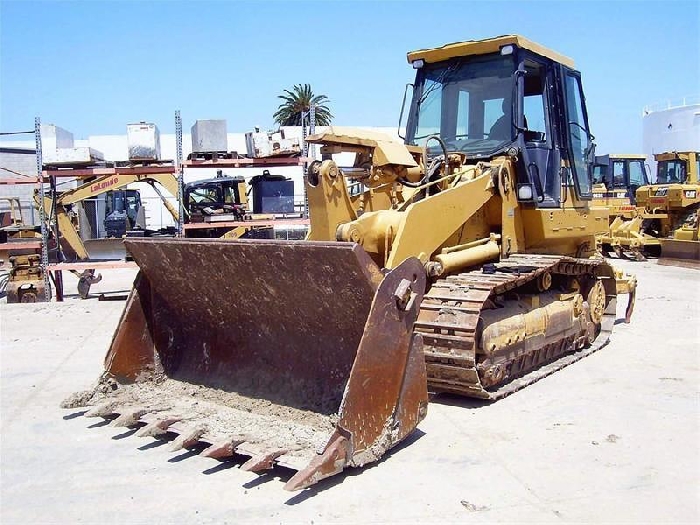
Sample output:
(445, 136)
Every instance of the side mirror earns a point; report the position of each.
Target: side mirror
(403, 107)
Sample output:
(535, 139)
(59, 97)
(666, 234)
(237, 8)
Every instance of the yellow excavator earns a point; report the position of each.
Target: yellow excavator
(667, 215)
(59, 212)
(220, 197)
(462, 261)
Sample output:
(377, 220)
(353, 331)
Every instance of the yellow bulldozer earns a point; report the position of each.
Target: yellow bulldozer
(666, 219)
(462, 261)
(616, 178)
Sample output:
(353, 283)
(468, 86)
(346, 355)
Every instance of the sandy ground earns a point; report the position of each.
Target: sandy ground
(612, 438)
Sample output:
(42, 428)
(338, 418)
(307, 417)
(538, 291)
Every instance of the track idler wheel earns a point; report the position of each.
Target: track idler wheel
(596, 302)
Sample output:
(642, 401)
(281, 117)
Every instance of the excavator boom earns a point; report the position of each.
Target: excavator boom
(70, 237)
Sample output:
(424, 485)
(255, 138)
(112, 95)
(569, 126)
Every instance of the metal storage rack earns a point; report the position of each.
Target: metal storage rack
(243, 162)
(26, 244)
(46, 174)
(247, 163)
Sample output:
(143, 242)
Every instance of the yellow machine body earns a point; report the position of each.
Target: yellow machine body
(462, 261)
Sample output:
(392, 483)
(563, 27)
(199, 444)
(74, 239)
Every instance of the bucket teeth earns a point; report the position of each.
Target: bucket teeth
(332, 461)
(264, 461)
(187, 438)
(157, 428)
(129, 418)
(222, 449)
(103, 410)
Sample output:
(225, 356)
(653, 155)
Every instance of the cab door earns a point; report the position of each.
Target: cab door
(580, 147)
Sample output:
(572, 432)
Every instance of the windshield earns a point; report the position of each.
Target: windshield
(638, 175)
(670, 171)
(213, 193)
(123, 201)
(600, 174)
(466, 101)
(206, 194)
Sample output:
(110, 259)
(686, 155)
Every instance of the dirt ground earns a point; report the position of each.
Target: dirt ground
(612, 438)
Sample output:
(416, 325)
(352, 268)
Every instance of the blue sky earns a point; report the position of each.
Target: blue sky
(92, 67)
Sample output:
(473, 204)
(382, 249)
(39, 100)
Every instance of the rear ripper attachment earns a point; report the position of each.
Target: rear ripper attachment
(216, 345)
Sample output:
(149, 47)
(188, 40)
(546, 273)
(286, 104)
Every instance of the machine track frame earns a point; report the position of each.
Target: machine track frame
(450, 341)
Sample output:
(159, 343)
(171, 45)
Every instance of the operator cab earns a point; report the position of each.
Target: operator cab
(122, 209)
(620, 175)
(677, 167)
(506, 95)
(220, 195)
(671, 171)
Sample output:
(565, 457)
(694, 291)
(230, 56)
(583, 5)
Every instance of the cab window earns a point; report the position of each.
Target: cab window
(619, 174)
(670, 171)
(600, 174)
(637, 174)
(534, 102)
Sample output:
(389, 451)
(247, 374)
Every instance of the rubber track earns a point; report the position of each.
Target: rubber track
(451, 310)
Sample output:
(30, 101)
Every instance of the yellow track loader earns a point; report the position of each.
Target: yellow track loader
(462, 261)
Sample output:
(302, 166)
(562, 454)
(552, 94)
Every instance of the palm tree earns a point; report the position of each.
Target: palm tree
(298, 101)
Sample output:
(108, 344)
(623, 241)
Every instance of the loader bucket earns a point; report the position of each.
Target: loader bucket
(293, 353)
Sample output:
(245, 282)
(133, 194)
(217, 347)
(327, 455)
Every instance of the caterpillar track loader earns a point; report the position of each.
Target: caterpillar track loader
(461, 261)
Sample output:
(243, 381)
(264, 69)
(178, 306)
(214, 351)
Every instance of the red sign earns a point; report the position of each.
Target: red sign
(104, 184)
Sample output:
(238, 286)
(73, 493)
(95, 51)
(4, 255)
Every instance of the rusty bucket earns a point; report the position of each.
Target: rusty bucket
(293, 353)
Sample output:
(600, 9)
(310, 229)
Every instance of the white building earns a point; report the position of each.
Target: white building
(671, 126)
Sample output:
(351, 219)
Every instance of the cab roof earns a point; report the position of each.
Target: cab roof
(216, 180)
(672, 155)
(635, 156)
(484, 47)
